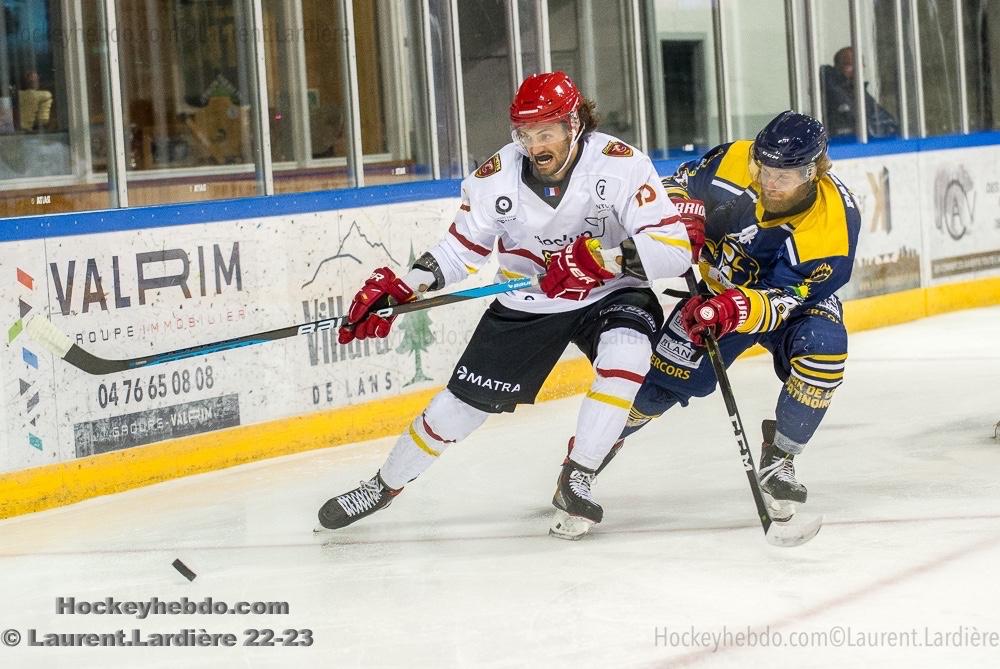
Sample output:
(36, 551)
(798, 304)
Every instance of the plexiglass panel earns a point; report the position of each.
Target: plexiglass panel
(591, 40)
(680, 78)
(53, 148)
(756, 57)
(938, 58)
(486, 75)
(188, 98)
(982, 63)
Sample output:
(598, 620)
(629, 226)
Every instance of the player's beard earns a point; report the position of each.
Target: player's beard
(548, 163)
(779, 202)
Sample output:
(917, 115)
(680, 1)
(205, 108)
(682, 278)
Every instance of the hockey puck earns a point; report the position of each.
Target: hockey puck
(183, 569)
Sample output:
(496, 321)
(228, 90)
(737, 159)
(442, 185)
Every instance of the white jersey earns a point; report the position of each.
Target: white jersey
(613, 194)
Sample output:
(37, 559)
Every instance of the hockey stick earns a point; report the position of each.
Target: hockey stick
(787, 533)
(43, 331)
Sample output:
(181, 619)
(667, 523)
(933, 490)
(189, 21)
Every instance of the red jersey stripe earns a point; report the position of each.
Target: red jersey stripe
(475, 248)
(663, 222)
(524, 253)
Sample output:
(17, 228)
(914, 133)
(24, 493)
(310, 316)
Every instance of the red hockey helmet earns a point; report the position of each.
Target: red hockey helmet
(550, 96)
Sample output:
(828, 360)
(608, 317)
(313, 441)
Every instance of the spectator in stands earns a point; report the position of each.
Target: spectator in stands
(34, 104)
(839, 101)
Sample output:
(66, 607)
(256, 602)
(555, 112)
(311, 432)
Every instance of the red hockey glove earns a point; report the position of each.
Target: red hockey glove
(380, 290)
(575, 270)
(718, 315)
(692, 214)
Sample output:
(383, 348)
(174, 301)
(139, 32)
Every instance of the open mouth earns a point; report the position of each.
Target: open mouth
(543, 159)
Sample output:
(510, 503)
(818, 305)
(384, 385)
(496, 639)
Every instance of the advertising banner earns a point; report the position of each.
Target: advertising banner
(124, 294)
(422, 347)
(889, 245)
(28, 433)
(961, 197)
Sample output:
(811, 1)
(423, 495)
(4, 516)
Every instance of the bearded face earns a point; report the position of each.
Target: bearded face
(782, 189)
(548, 147)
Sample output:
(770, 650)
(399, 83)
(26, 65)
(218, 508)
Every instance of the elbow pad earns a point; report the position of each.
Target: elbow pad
(429, 263)
(631, 262)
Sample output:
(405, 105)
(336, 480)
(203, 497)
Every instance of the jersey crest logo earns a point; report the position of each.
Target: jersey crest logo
(489, 168)
(735, 266)
(617, 149)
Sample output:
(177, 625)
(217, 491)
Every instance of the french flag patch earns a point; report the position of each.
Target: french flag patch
(551, 191)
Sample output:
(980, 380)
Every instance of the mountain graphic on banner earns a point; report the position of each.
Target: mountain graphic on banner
(354, 239)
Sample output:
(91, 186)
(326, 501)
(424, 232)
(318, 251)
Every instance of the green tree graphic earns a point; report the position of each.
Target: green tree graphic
(417, 336)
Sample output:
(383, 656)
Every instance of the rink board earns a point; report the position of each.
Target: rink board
(930, 243)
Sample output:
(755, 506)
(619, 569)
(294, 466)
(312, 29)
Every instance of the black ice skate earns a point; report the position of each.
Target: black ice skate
(607, 458)
(577, 511)
(777, 477)
(363, 501)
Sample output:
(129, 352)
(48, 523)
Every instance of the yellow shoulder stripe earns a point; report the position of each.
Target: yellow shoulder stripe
(822, 232)
(735, 165)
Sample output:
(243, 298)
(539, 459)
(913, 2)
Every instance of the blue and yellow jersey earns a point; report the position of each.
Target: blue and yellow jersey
(781, 263)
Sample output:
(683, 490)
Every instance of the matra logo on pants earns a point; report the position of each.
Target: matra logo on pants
(477, 380)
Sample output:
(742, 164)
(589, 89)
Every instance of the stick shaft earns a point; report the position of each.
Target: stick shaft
(715, 355)
(92, 364)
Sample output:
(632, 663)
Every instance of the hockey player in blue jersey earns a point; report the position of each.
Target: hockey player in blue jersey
(780, 236)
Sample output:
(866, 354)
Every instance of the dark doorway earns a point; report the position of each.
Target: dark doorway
(684, 89)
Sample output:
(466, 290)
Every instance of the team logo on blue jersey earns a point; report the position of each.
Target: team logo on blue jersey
(821, 273)
(735, 265)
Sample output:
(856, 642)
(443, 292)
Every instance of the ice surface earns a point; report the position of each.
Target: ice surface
(460, 572)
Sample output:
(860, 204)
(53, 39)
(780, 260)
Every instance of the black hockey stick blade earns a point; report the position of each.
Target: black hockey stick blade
(44, 332)
(784, 534)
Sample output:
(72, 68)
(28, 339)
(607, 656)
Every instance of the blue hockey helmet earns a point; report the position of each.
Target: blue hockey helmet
(790, 140)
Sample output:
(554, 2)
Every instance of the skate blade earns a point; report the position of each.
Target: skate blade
(794, 533)
(565, 526)
(781, 511)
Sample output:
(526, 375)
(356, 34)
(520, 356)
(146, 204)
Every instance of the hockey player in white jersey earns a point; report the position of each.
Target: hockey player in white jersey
(588, 211)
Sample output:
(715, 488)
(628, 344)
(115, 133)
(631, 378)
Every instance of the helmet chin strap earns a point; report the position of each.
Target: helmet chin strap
(569, 154)
(517, 144)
